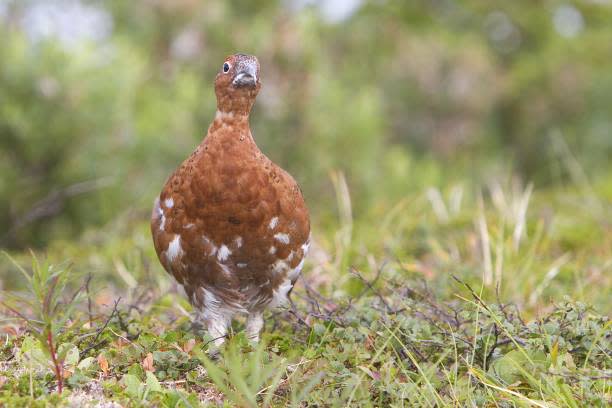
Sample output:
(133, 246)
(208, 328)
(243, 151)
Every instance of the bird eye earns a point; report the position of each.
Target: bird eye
(226, 67)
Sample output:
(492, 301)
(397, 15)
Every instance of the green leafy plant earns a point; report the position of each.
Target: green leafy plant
(45, 310)
(247, 379)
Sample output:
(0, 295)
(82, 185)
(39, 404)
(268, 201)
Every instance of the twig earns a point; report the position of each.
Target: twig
(20, 315)
(294, 312)
(495, 345)
(502, 307)
(125, 328)
(87, 282)
(93, 344)
(216, 338)
(473, 293)
(370, 285)
(56, 364)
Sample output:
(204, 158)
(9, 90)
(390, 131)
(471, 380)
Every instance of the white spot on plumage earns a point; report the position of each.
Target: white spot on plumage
(295, 272)
(190, 225)
(224, 115)
(213, 247)
(273, 223)
(159, 213)
(272, 250)
(210, 299)
(290, 256)
(241, 265)
(174, 249)
(238, 242)
(157, 208)
(279, 295)
(223, 253)
(226, 270)
(280, 267)
(169, 202)
(282, 238)
(306, 246)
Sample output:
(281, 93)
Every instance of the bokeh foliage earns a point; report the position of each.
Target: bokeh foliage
(399, 96)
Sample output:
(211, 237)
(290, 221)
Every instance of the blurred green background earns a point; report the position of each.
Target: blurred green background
(101, 100)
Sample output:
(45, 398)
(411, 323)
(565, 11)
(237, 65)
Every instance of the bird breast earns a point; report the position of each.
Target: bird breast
(229, 218)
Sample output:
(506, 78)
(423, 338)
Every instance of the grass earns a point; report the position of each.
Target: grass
(494, 297)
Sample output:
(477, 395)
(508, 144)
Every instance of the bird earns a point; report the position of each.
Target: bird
(229, 225)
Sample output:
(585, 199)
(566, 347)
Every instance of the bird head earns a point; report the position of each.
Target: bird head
(237, 84)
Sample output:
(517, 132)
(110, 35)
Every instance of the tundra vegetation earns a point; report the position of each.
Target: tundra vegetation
(455, 156)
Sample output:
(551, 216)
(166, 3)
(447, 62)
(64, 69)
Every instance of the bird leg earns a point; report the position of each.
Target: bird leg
(217, 328)
(215, 313)
(254, 325)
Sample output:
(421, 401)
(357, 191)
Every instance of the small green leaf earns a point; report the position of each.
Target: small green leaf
(152, 382)
(514, 366)
(132, 385)
(69, 353)
(86, 363)
(318, 329)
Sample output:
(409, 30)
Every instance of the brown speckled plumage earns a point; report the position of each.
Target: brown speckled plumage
(231, 226)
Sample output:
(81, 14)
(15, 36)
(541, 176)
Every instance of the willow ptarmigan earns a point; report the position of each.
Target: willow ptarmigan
(231, 226)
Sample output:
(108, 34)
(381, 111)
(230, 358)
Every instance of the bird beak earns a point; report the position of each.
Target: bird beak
(246, 76)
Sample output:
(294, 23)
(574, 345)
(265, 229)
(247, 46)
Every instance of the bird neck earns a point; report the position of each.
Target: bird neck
(229, 126)
(231, 117)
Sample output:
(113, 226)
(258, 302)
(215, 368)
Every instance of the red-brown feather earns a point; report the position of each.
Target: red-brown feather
(224, 198)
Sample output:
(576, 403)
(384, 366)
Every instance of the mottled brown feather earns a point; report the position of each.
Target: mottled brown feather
(227, 193)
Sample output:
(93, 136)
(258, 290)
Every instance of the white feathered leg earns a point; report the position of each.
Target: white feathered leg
(254, 325)
(216, 316)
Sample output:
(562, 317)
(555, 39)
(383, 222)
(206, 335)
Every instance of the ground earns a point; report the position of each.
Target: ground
(496, 298)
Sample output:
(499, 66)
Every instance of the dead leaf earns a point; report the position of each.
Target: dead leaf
(188, 346)
(104, 298)
(147, 363)
(11, 330)
(119, 343)
(103, 363)
(369, 343)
